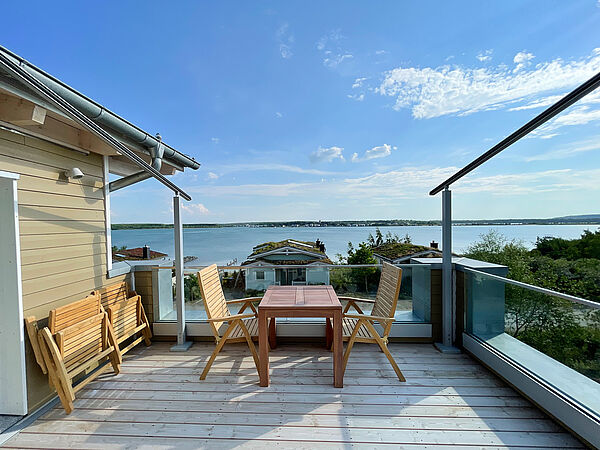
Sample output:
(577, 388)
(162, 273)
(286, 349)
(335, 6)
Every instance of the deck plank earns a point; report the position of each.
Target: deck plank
(158, 401)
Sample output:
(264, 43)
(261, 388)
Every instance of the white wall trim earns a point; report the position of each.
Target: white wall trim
(13, 381)
(107, 223)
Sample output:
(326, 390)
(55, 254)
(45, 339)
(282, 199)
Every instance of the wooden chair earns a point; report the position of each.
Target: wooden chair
(241, 327)
(360, 327)
(126, 314)
(129, 319)
(78, 338)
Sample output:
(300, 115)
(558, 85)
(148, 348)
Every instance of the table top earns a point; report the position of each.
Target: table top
(300, 297)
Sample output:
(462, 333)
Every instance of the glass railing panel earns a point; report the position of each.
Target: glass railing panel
(567, 331)
(414, 301)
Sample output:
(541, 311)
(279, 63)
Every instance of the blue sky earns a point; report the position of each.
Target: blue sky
(337, 110)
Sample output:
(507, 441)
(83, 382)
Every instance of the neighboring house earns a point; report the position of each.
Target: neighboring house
(398, 253)
(137, 254)
(263, 270)
(57, 149)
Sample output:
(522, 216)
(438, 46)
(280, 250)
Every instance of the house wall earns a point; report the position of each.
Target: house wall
(259, 285)
(62, 232)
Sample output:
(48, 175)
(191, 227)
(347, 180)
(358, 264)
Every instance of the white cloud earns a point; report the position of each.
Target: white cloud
(324, 154)
(567, 151)
(194, 209)
(539, 103)
(332, 51)
(256, 167)
(575, 115)
(278, 115)
(522, 59)
(433, 92)
(215, 140)
(381, 52)
(333, 60)
(381, 151)
(485, 55)
(285, 40)
(358, 82)
(415, 183)
(357, 97)
(212, 176)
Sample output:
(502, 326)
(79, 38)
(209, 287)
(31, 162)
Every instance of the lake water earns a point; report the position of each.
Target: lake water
(222, 245)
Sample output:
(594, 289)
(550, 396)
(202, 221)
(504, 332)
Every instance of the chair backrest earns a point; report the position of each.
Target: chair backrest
(82, 341)
(113, 294)
(212, 295)
(388, 291)
(125, 316)
(65, 316)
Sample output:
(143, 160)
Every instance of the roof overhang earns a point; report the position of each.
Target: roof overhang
(90, 126)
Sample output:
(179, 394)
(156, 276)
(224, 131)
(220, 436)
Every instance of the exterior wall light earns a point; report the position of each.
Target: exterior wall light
(75, 173)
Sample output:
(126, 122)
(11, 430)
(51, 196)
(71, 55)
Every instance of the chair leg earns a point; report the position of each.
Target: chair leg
(61, 380)
(250, 343)
(351, 343)
(218, 348)
(384, 349)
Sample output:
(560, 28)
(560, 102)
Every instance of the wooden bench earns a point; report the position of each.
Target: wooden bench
(79, 336)
(126, 314)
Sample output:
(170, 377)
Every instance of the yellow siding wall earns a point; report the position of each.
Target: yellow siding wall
(63, 243)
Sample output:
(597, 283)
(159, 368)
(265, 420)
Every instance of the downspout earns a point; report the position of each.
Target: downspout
(156, 153)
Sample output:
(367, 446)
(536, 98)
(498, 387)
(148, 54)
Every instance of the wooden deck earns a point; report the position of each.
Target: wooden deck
(158, 401)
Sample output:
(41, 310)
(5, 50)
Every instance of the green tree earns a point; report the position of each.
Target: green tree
(565, 331)
(191, 289)
(362, 255)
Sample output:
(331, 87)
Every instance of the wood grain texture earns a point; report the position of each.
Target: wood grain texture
(165, 405)
(63, 243)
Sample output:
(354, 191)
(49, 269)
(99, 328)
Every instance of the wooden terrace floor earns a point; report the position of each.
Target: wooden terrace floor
(158, 401)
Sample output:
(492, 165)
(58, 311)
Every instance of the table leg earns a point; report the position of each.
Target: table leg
(272, 333)
(328, 334)
(263, 344)
(338, 346)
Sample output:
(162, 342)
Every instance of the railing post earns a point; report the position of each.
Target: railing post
(447, 301)
(182, 344)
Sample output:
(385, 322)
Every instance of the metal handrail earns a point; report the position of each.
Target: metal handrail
(575, 95)
(296, 266)
(541, 290)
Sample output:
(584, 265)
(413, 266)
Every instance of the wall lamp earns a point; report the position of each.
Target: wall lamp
(73, 174)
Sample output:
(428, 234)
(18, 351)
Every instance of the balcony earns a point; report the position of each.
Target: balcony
(158, 401)
(499, 392)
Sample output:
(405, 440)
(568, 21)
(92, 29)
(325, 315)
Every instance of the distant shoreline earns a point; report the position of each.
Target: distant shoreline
(593, 220)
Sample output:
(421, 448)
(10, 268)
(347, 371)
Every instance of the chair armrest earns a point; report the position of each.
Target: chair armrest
(353, 299)
(230, 318)
(369, 317)
(244, 300)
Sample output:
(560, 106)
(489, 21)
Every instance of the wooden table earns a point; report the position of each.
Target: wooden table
(300, 301)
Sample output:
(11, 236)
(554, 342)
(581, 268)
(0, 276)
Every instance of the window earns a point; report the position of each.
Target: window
(260, 274)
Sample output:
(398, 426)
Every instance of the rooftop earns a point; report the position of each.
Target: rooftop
(138, 253)
(395, 250)
(306, 246)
